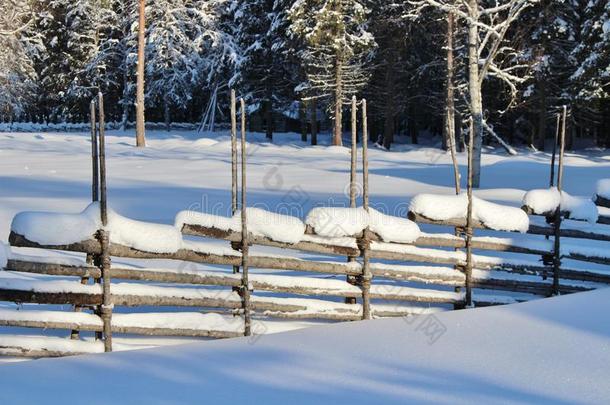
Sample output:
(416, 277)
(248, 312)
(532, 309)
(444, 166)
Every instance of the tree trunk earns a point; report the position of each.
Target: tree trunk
(303, 119)
(338, 128)
(449, 127)
(388, 127)
(459, 134)
(314, 122)
(474, 87)
(541, 115)
(125, 101)
(269, 114)
(140, 130)
(166, 114)
(413, 129)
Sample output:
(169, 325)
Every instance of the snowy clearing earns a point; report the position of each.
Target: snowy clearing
(180, 173)
(549, 351)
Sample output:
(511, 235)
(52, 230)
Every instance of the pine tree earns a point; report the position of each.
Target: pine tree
(264, 68)
(338, 48)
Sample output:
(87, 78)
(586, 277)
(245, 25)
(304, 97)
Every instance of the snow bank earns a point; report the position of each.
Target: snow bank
(545, 201)
(603, 188)
(282, 228)
(338, 221)
(49, 228)
(494, 216)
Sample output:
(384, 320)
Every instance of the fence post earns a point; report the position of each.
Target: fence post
(244, 227)
(469, 220)
(366, 239)
(234, 160)
(557, 221)
(104, 237)
(74, 334)
(352, 186)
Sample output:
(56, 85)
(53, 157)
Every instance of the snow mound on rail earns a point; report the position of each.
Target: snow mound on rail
(445, 207)
(339, 221)
(603, 188)
(545, 201)
(278, 227)
(51, 228)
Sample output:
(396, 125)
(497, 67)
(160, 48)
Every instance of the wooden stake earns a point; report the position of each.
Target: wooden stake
(469, 219)
(557, 222)
(552, 180)
(244, 227)
(354, 156)
(94, 158)
(106, 308)
(352, 186)
(74, 334)
(366, 240)
(365, 160)
(234, 160)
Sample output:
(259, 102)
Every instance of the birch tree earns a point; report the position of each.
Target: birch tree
(490, 55)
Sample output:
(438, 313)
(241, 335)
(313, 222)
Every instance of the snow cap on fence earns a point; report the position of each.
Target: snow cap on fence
(545, 202)
(51, 228)
(494, 216)
(341, 221)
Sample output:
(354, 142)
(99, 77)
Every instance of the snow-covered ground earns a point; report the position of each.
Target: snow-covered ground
(548, 351)
(391, 360)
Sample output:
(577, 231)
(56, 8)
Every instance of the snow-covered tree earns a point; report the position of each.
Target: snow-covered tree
(264, 70)
(591, 78)
(338, 48)
(18, 44)
(490, 55)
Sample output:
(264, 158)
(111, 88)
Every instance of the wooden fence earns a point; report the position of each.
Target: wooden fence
(379, 279)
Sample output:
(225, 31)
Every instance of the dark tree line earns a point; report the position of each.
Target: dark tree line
(293, 60)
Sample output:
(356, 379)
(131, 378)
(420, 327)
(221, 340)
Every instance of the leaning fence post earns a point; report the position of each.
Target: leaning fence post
(352, 186)
(104, 237)
(74, 334)
(557, 221)
(233, 161)
(366, 239)
(469, 220)
(94, 158)
(244, 227)
(552, 180)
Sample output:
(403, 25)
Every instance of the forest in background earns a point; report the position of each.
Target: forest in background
(294, 59)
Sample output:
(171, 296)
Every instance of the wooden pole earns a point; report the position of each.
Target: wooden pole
(365, 161)
(104, 237)
(552, 180)
(234, 160)
(354, 156)
(140, 127)
(366, 240)
(94, 158)
(74, 334)
(244, 227)
(469, 218)
(233, 154)
(352, 186)
(557, 222)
